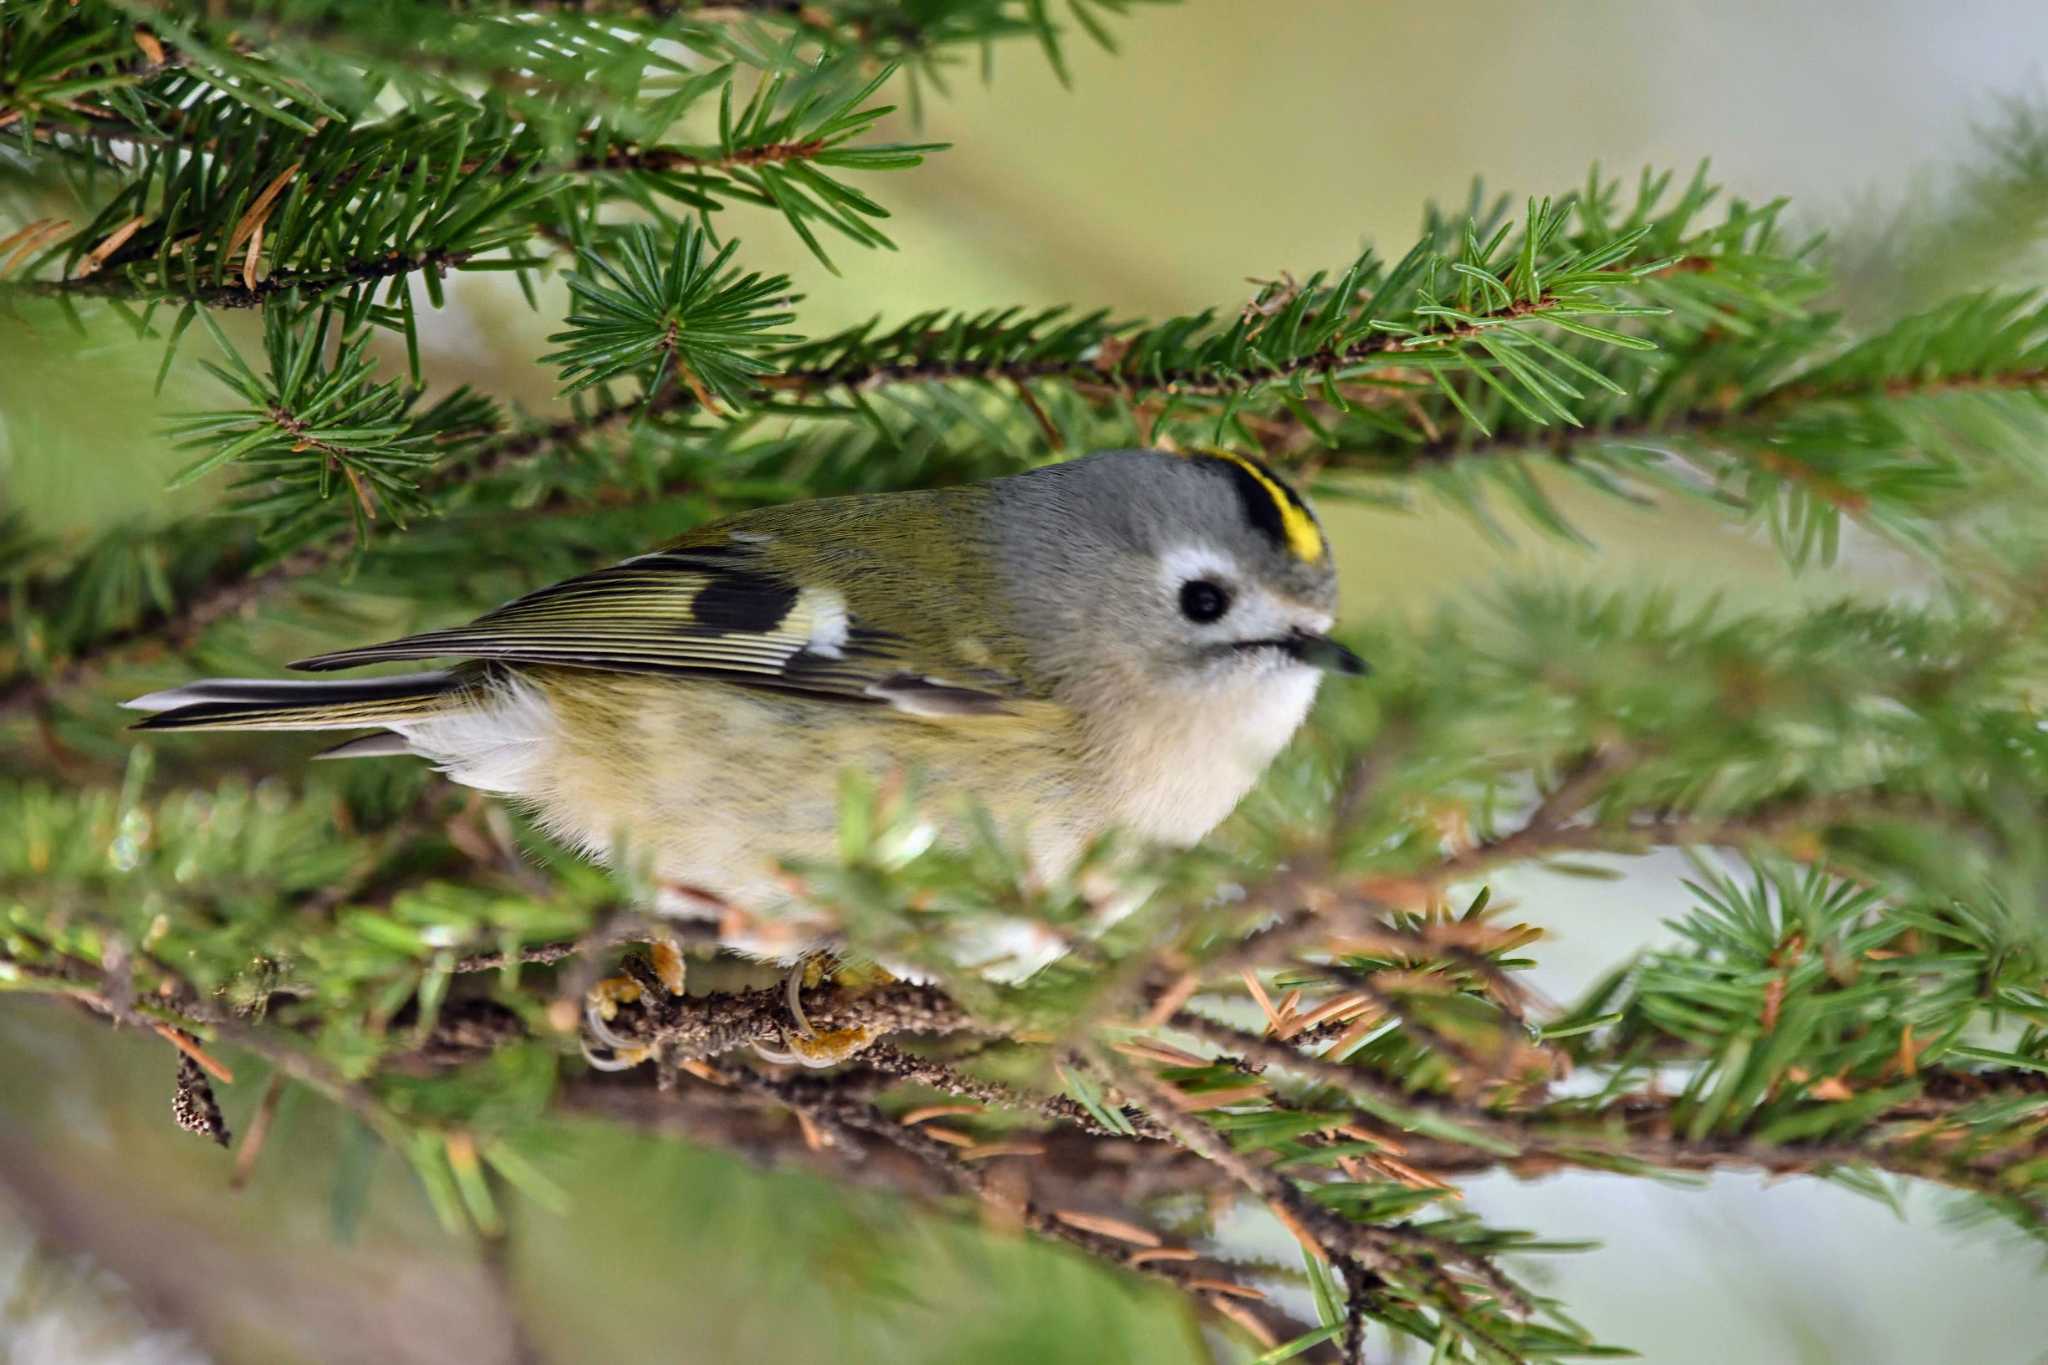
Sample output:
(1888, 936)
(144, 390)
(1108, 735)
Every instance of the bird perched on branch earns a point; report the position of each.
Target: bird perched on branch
(1122, 641)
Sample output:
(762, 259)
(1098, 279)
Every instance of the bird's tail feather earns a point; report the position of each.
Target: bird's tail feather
(266, 704)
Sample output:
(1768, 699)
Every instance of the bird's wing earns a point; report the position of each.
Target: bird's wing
(714, 607)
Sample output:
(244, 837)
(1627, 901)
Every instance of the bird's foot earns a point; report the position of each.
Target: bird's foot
(605, 1049)
(803, 1044)
(821, 1049)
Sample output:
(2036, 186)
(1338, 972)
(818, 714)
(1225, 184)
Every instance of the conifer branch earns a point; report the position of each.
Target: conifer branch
(1381, 1250)
(424, 34)
(243, 293)
(228, 591)
(1639, 1128)
(1635, 1128)
(1731, 426)
(230, 588)
(601, 155)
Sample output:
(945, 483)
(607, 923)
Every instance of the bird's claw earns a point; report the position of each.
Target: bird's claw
(620, 1059)
(793, 994)
(601, 1006)
(805, 1044)
(819, 1048)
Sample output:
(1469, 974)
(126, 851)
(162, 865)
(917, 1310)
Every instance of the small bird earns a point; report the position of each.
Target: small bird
(1121, 641)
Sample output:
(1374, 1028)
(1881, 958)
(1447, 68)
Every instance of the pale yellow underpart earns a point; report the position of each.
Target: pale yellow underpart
(710, 786)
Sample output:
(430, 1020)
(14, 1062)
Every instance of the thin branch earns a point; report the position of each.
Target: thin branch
(1572, 1136)
(1376, 1248)
(698, 1027)
(1706, 422)
(615, 929)
(103, 125)
(1107, 375)
(894, 1062)
(110, 283)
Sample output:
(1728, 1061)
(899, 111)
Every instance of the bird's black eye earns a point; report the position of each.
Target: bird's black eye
(1202, 601)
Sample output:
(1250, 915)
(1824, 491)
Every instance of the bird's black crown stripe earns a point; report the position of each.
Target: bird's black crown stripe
(1261, 512)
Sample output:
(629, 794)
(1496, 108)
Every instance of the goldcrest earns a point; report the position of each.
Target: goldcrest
(1122, 641)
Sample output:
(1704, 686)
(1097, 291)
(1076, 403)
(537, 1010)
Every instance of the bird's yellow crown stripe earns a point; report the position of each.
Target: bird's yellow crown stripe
(1303, 536)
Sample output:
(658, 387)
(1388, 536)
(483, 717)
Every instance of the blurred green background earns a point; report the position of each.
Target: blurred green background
(1229, 140)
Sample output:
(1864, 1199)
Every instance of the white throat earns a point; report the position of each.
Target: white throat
(1199, 758)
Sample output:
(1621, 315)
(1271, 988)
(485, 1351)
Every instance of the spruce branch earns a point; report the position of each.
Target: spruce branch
(1978, 1141)
(224, 576)
(497, 42)
(316, 421)
(686, 317)
(1634, 1128)
(781, 149)
(1425, 314)
(1636, 1131)
(224, 146)
(1902, 431)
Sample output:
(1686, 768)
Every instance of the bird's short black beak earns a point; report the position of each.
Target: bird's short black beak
(1320, 651)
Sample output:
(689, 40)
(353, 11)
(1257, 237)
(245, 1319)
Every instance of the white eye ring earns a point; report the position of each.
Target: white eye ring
(1183, 563)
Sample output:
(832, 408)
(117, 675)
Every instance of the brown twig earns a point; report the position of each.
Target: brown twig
(613, 929)
(258, 1133)
(699, 1027)
(240, 293)
(1377, 1248)
(896, 1063)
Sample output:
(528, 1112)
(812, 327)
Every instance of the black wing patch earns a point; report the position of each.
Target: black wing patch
(745, 602)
